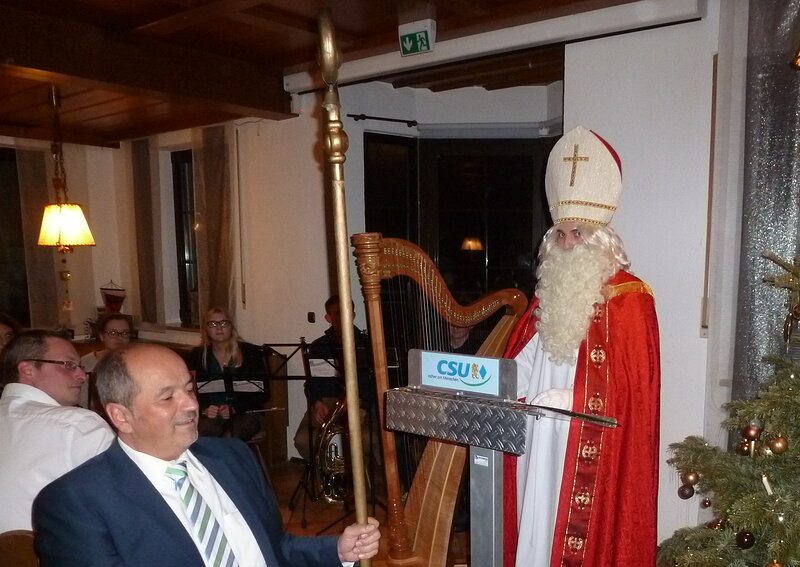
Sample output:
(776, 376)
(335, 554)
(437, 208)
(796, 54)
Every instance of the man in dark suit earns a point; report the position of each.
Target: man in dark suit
(122, 508)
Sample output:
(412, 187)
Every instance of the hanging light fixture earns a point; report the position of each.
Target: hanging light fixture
(472, 244)
(63, 223)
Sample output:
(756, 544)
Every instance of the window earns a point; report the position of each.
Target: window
(185, 242)
(13, 279)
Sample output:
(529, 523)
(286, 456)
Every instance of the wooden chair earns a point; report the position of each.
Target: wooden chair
(16, 549)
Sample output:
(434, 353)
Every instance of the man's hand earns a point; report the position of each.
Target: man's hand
(212, 412)
(320, 412)
(359, 541)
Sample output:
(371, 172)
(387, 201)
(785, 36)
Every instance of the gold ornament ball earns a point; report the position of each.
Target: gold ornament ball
(779, 445)
(751, 433)
(690, 478)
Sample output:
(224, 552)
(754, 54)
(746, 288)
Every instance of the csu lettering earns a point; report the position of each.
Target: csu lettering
(453, 368)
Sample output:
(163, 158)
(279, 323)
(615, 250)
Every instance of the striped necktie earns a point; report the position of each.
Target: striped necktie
(206, 528)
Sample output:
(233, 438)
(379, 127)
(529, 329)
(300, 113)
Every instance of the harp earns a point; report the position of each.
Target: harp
(419, 531)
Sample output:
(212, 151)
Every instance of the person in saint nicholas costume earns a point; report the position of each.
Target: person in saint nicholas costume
(583, 494)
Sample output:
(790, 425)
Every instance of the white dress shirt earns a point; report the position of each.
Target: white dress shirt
(240, 537)
(40, 440)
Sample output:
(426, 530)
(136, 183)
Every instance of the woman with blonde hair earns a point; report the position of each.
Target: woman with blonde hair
(231, 379)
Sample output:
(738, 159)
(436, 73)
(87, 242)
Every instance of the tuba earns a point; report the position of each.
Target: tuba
(332, 474)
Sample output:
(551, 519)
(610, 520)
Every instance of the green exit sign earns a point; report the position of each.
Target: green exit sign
(417, 37)
(413, 43)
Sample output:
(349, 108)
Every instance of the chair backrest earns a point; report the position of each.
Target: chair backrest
(16, 549)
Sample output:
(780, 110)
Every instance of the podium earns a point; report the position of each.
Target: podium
(472, 401)
(490, 428)
(468, 400)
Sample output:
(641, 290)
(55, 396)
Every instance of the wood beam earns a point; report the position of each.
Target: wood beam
(192, 16)
(40, 46)
(264, 17)
(38, 133)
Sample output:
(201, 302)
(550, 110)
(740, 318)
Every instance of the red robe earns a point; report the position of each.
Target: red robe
(609, 490)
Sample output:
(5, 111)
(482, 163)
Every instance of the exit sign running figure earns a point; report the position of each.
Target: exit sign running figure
(417, 37)
(413, 43)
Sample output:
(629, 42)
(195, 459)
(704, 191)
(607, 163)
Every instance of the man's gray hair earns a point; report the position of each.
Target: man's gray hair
(27, 345)
(114, 381)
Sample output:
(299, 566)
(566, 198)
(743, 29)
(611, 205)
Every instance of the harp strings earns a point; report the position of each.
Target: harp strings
(412, 319)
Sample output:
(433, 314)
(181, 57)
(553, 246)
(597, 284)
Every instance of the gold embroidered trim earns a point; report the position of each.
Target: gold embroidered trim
(584, 204)
(612, 291)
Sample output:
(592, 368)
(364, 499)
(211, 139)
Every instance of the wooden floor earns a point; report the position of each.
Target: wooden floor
(324, 518)
(320, 517)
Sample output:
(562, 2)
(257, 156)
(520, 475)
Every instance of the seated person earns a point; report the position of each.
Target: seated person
(9, 328)
(42, 436)
(114, 330)
(161, 497)
(327, 387)
(231, 380)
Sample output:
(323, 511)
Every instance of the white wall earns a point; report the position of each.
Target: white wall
(649, 94)
(287, 265)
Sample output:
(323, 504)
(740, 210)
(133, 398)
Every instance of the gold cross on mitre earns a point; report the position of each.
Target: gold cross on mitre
(574, 159)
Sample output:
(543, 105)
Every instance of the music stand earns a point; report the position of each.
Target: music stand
(279, 372)
(363, 364)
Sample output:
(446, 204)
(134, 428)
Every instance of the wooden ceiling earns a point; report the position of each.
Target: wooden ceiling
(132, 68)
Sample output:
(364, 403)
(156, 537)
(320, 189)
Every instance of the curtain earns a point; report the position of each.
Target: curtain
(771, 203)
(40, 262)
(214, 214)
(148, 231)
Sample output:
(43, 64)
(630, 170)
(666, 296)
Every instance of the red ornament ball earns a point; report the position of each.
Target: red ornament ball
(686, 491)
(743, 448)
(691, 478)
(706, 503)
(715, 524)
(778, 445)
(745, 539)
(751, 433)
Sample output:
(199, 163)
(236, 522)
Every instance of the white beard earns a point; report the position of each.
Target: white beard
(570, 285)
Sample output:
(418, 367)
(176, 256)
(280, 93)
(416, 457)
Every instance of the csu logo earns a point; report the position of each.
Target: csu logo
(468, 373)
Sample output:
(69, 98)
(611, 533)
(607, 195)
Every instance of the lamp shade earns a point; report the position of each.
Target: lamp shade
(472, 243)
(63, 225)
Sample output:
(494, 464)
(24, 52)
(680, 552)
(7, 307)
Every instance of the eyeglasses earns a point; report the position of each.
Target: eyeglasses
(113, 333)
(68, 364)
(223, 323)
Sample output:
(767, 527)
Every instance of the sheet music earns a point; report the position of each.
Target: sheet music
(322, 368)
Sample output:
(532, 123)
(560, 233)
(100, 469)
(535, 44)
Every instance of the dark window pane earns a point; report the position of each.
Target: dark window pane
(186, 245)
(509, 182)
(453, 228)
(510, 241)
(13, 279)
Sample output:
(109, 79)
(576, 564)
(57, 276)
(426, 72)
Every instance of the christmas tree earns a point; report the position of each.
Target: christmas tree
(753, 489)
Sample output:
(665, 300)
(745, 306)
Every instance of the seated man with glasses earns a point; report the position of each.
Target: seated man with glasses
(42, 434)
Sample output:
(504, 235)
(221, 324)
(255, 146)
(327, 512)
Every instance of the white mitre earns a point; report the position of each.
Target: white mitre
(584, 178)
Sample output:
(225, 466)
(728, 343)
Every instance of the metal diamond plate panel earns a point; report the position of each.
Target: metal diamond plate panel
(492, 424)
